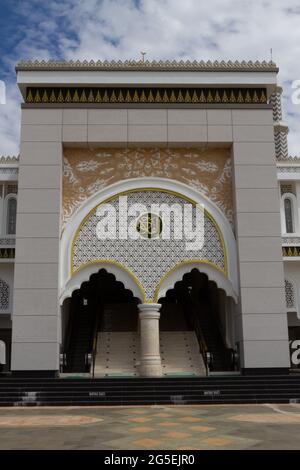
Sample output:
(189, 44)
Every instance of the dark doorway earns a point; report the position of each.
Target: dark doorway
(102, 304)
(194, 304)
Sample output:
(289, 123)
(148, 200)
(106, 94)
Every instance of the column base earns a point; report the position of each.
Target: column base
(150, 367)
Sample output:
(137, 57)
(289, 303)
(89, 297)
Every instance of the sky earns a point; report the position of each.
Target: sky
(165, 29)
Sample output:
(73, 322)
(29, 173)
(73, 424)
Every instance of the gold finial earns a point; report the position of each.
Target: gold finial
(143, 56)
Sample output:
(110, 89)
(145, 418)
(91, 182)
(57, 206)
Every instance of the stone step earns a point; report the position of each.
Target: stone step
(180, 353)
(116, 354)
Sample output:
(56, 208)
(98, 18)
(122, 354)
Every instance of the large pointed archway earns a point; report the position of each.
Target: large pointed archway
(149, 267)
(79, 249)
(100, 325)
(196, 326)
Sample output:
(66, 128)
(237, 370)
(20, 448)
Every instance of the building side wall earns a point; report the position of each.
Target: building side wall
(36, 318)
(263, 322)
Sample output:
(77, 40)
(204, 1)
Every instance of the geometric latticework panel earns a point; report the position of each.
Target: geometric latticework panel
(4, 295)
(289, 294)
(148, 259)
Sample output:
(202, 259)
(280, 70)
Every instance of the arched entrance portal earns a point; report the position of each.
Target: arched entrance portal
(100, 323)
(108, 332)
(150, 267)
(196, 327)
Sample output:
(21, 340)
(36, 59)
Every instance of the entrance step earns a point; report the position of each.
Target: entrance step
(75, 375)
(117, 354)
(150, 391)
(180, 354)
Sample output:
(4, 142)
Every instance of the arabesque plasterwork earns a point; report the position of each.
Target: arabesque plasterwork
(87, 171)
(149, 260)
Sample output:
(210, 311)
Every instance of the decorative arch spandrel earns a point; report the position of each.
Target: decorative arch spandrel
(88, 171)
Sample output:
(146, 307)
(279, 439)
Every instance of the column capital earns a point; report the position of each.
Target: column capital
(147, 307)
(149, 310)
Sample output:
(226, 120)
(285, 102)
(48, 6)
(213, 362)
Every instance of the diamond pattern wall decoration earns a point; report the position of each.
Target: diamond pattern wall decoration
(4, 295)
(149, 260)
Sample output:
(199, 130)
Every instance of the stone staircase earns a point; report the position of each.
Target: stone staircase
(180, 354)
(117, 354)
(154, 391)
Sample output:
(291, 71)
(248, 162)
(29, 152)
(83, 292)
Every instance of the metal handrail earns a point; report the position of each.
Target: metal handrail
(88, 360)
(233, 358)
(229, 351)
(207, 356)
(94, 348)
(67, 340)
(205, 353)
(62, 362)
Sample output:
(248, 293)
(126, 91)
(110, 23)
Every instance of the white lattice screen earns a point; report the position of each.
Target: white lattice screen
(289, 294)
(148, 259)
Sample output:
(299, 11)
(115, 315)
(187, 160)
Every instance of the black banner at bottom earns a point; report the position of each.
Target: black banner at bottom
(148, 459)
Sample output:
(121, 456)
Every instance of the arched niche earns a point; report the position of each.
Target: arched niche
(156, 184)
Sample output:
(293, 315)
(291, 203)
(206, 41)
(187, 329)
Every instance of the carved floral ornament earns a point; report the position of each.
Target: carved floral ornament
(88, 171)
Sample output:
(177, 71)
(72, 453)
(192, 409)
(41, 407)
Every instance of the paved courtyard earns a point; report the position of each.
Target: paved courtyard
(152, 427)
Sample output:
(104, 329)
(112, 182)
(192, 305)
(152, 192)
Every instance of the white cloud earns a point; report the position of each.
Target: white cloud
(189, 29)
(9, 122)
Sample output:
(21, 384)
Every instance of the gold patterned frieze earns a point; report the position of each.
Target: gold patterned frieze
(7, 253)
(137, 95)
(291, 251)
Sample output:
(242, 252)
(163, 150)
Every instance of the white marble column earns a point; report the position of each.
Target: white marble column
(150, 361)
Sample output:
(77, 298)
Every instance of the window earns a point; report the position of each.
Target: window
(289, 216)
(11, 216)
(288, 211)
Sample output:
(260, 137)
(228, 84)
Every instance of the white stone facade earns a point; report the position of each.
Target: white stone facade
(263, 278)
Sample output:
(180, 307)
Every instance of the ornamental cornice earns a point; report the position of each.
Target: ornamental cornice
(9, 171)
(280, 126)
(288, 169)
(293, 240)
(8, 160)
(290, 159)
(247, 66)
